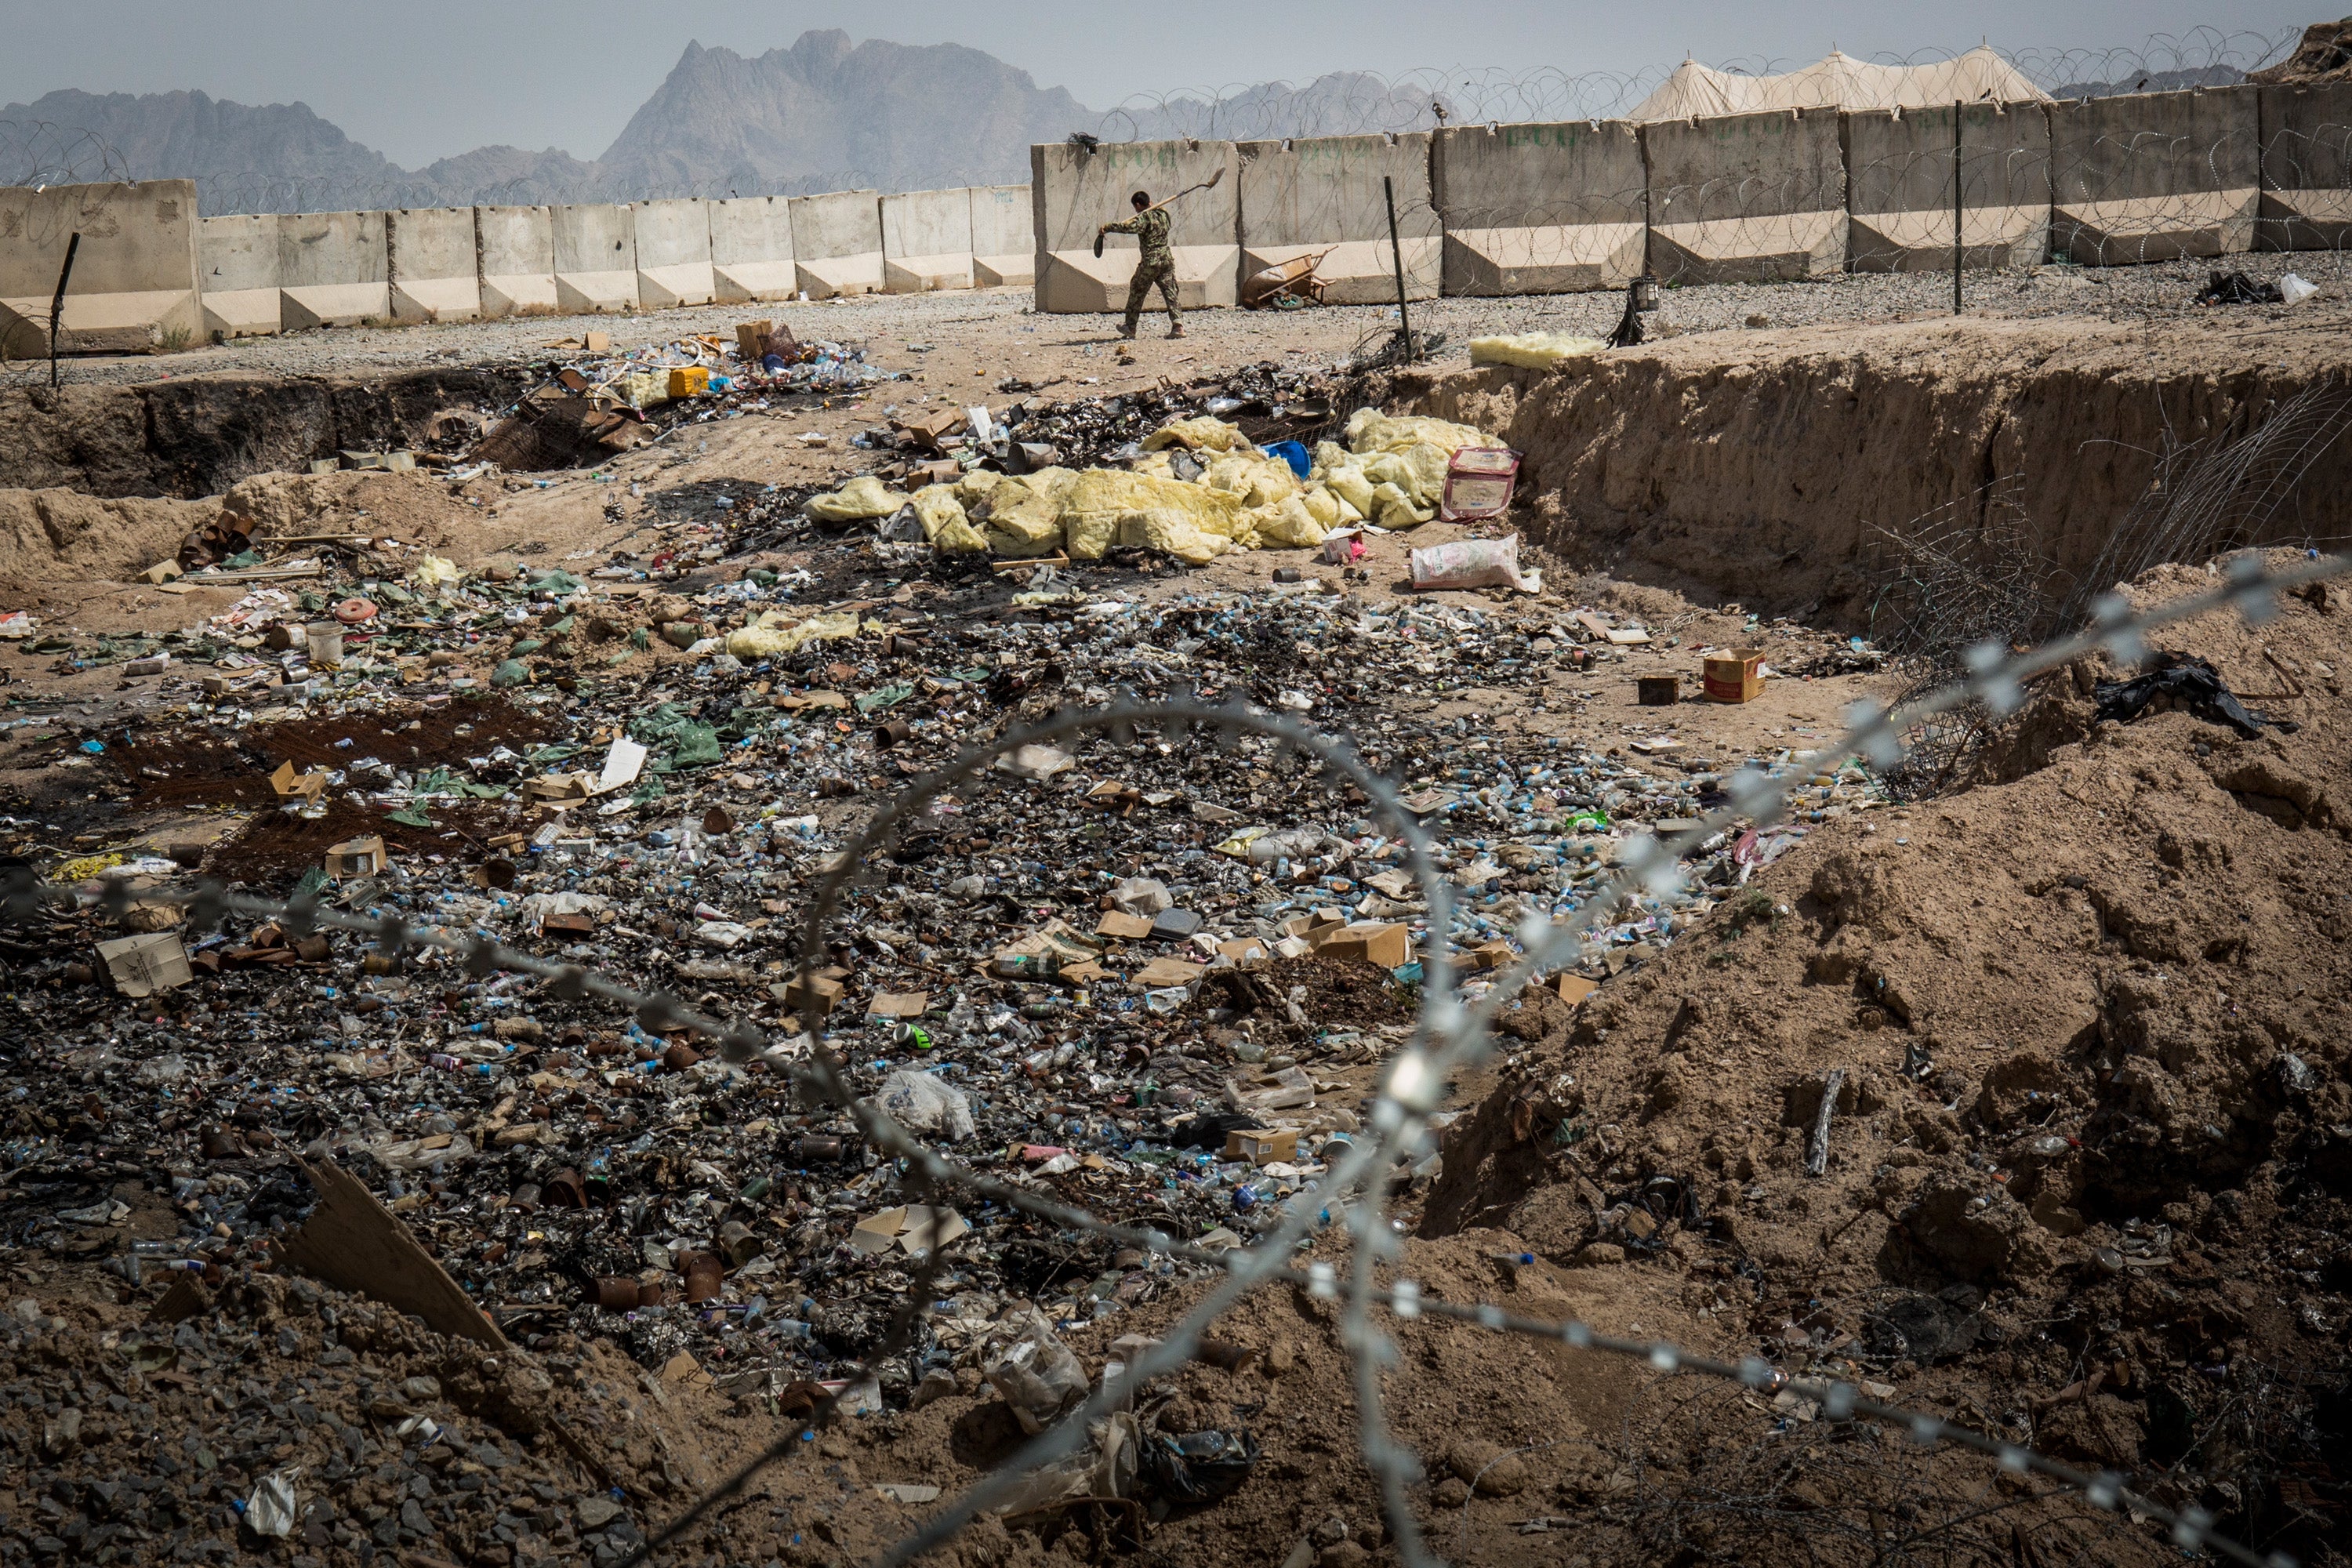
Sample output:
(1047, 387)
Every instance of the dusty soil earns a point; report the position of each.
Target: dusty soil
(2086, 1169)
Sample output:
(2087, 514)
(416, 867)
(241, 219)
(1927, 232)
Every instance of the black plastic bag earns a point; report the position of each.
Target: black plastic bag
(1199, 1466)
(2191, 683)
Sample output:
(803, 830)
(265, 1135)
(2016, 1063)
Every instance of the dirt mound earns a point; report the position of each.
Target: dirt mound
(51, 537)
(2090, 1103)
(1756, 467)
(48, 534)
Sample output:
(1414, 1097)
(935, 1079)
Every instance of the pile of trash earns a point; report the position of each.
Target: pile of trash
(601, 402)
(1088, 970)
(1197, 488)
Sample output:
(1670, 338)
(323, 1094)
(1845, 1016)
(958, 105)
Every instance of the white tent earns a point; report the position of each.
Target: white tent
(1840, 82)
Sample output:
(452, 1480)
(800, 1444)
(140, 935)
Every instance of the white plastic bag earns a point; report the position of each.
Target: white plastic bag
(921, 1102)
(1035, 1371)
(2294, 291)
(1473, 564)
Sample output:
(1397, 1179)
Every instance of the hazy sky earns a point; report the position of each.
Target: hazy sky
(420, 80)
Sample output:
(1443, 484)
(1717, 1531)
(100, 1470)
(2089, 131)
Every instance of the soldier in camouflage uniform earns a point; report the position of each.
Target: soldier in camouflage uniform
(1155, 265)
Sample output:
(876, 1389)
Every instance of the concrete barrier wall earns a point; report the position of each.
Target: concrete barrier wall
(431, 260)
(237, 275)
(837, 243)
(1898, 174)
(1746, 198)
(133, 289)
(673, 254)
(1481, 210)
(1003, 237)
(2155, 176)
(595, 259)
(332, 269)
(1073, 190)
(752, 249)
(514, 250)
(927, 241)
(2306, 167)
(1324, 196)
(1540, 208)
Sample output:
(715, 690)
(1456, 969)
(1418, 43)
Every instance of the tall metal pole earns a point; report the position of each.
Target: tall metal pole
(1396, 248)
(58, 304)
(1958, 248)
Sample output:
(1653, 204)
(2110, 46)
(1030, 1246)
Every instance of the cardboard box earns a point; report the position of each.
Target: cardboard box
(1573, 988)
(826, 992)
(897, 1003)
(1261, 1146)
(1658, 690)
(1375, 941)
(1735, 677)
(1245, 953)
(143, 965)
(354, 857)
(291, 786)
(752, 342)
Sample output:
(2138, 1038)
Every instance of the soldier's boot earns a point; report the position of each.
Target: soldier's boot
(1127, 334)
(1177, 331)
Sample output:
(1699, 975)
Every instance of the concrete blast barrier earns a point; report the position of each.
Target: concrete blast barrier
(1003, 237)
(1322, 195)
(837, 243)
(514, 249)
(595, 259)
(134, 279)
(332, 269)
(752, 249)
(1540, 208)
(1898, 176)
(926, 241)
(2306, 167)
(673, 254)
(1747, 198)
(1074, 190)
(236, 274)
(2155, 176)
(432, 258)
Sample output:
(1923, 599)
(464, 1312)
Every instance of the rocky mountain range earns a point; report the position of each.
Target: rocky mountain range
(825, 114)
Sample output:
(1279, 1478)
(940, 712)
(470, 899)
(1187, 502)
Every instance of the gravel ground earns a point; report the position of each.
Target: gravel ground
(972, 319)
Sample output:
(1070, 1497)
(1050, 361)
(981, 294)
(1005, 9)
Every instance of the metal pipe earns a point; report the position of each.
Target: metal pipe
(57, 303)
(1960, 250)
(1396, 248)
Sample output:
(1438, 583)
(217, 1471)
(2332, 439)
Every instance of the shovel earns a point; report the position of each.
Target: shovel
(1155, 207)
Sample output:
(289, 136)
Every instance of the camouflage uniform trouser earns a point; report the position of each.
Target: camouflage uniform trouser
(1138, 288)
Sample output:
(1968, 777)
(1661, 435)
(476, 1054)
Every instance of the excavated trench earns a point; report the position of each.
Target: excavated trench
(185, 439)
(1759, 468)
(1749, 466)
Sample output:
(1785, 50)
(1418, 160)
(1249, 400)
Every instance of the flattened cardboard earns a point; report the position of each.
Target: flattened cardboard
(911, 1228)
(354, 1243)
(143, 965)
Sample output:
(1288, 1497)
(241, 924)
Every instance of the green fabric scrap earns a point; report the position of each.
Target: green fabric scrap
(883, 697)
(695, 746)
